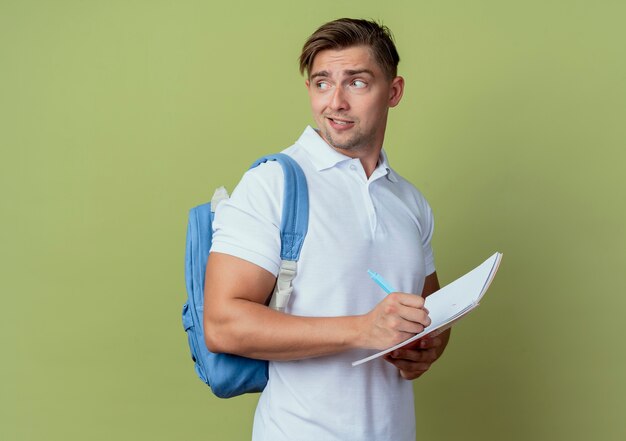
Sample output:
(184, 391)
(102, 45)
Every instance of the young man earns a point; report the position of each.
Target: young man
(363, 216)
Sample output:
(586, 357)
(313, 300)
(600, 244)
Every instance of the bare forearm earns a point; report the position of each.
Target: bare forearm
(236, 320)
(255, 331)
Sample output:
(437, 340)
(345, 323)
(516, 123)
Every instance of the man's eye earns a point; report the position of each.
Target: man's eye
(323, 85)
(359, 84)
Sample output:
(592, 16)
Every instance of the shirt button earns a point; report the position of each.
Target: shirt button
(352, 167)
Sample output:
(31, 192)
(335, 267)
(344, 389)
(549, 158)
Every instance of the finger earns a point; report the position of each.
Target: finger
(404, 319)
(410, 366)
(410, 300)
(406, 327)
(415, 315)
(408, 370)
(411, 375)
(430, 342)
(437, 332)
(419, 355)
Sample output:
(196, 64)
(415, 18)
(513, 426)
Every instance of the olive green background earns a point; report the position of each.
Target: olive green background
(116, 117)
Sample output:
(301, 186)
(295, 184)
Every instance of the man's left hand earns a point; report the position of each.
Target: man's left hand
(413, 362)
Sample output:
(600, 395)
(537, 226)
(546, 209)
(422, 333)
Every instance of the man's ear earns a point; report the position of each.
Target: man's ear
(306, 83)
(396, 90)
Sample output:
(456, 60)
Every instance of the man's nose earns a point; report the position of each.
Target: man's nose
(338, 100)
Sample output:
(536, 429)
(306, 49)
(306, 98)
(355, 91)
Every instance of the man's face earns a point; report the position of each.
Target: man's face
(350, 98)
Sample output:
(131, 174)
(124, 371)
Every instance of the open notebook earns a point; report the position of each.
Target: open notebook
(452, 302)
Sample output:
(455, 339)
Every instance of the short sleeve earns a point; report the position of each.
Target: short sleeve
(247, 225)
(427, 221)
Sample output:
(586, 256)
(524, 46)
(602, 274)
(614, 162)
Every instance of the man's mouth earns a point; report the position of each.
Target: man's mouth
(339, 121)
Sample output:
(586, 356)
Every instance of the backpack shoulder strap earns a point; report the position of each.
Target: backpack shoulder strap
(293, 226)
(295, 215)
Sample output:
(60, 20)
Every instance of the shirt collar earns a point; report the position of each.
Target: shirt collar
(384, 164)
(324, 156)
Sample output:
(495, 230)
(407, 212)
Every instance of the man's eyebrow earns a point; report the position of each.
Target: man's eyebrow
(348, 72)
(321, 73)
(359, 72)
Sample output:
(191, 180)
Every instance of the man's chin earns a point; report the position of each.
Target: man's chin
(339, 141)
(342, 144)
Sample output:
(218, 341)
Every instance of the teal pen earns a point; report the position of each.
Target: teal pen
(381, 282)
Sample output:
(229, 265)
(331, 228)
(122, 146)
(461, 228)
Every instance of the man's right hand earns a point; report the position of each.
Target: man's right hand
(396, 318)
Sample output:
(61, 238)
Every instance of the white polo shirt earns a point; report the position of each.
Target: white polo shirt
(382, 223)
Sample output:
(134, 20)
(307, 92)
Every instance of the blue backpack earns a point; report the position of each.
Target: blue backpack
(231, 375)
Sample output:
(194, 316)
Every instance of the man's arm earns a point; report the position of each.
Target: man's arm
(237, 321)
(412, 363)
